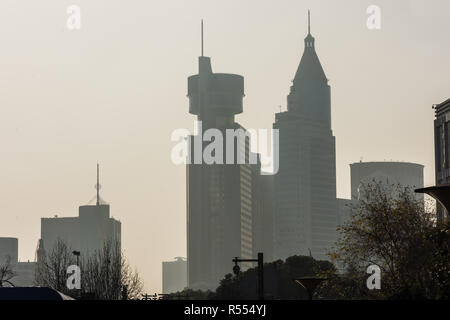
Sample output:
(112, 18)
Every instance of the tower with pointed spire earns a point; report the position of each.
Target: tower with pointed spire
(310, 92)
(305, 185)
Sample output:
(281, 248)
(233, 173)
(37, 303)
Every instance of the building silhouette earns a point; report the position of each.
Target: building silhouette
(442, 150)
(24, 270)
(174, 275)
(305, 185)
(86, 233)
(9, 249)
(405, 174)
(220, 197)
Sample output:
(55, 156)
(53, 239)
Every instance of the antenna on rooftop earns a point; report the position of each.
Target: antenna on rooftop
(202, 37)
(98, 186)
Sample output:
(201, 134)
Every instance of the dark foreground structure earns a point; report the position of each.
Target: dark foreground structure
(442, 195)
(32, 293)
(441, 192)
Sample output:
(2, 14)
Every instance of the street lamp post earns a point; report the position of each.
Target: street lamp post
(77, 254)
(260, 260)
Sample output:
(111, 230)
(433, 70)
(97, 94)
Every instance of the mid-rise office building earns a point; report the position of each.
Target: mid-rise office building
(86, 233)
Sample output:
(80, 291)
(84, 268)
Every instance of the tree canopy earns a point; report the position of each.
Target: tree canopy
(391, 228)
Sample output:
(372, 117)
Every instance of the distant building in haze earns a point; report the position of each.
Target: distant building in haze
(9, 249)
(220, 204)
(86, 233)
(24, 271)
(405, 174)
(174, 275)
(305, 185)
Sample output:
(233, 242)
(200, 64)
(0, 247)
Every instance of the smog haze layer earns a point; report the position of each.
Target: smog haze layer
(115, 90)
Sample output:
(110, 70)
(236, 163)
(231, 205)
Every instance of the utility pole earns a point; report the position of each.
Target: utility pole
(124, 293)
(260, 260)
(77, 254)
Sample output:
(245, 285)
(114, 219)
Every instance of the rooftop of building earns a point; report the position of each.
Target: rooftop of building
(393, 163)
(442, 107)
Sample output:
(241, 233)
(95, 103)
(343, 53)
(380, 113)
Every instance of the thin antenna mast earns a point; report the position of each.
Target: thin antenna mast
(309, 23)
(98, 184)
(202, 37)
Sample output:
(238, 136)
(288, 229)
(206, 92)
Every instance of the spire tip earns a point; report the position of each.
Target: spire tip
(202, 37)
(309, 22)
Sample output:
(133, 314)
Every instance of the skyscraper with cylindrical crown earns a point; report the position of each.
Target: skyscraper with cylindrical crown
(220, 197)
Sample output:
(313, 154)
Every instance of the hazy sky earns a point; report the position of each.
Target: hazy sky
(115, 90)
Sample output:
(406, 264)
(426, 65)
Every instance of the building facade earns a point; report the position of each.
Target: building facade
(174, 275)
(24, 270)
(220, 204)
(404, 174)
(86, 233)
(442, 150)
(263, 218)
(305, 185)
(9, 249)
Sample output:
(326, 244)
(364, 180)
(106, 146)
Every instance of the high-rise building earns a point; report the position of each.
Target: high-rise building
(86, 233)
(305, 185)
(442, 150)
(220, 200)
(174, 275)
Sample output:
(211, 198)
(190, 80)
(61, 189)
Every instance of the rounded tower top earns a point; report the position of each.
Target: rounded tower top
(215, 93)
